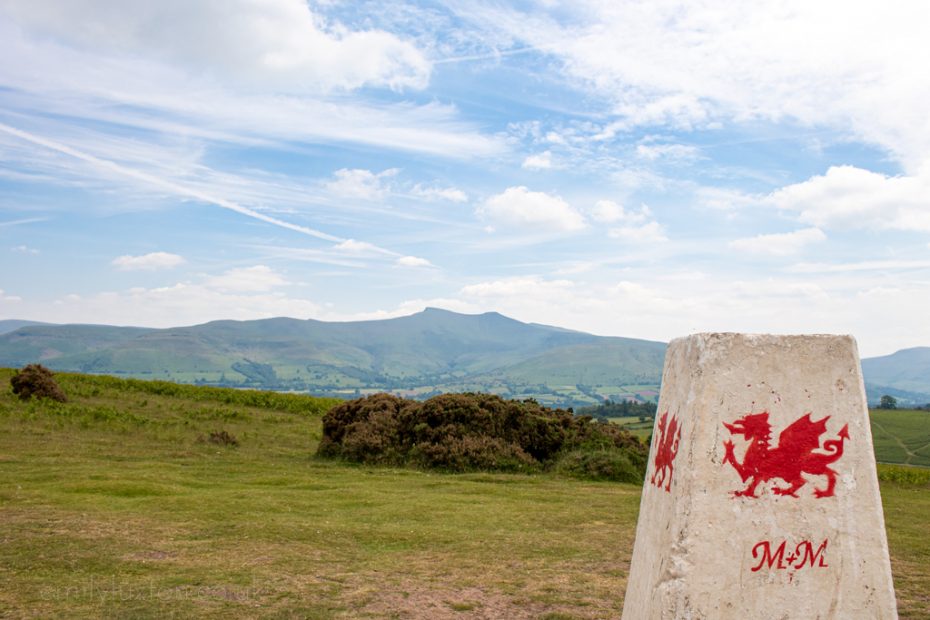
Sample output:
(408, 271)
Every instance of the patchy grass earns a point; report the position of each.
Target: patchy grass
(111, 507)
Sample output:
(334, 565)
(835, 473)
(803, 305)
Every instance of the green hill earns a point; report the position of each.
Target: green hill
(434, 350)
(9, 325)
(907, 370)
(415, 356)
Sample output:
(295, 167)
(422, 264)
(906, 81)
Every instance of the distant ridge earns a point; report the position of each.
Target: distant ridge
(906, 371)
(431, 351)
(9, 325)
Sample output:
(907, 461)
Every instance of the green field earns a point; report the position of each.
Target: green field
(901, 436)
(113, 506)
(642, 429)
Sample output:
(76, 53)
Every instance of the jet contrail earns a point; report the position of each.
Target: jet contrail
(28, 220)
(490, 56)
(172, 186)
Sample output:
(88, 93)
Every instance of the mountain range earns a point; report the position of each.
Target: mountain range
(418, 355)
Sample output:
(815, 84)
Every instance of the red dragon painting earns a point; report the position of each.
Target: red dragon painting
(666, 449)
(793, 456)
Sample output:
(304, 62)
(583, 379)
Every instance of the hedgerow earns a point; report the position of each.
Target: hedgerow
(466, 432)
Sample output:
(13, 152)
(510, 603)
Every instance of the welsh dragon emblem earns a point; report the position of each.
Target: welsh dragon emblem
(666, 449)
(793, 456)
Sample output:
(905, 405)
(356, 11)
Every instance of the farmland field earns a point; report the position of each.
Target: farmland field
(114, 505)
(901, 436)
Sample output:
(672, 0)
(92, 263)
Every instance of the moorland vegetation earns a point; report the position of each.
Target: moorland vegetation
(480, 432)
(121, 503)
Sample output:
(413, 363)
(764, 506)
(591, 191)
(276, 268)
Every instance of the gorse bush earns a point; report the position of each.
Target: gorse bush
(36, 380)
(462, 432)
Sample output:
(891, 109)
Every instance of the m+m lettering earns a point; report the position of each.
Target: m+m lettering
(781, 558)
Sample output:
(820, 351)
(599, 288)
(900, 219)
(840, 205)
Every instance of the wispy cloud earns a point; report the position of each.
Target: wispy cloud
(779, 244)
(452, 194)
(151, 92)
(413, 261)
(22, 221)
(872, 265)
(693, 80)
(359, 183)
(148, 262)
(255, 279)
(165, 184)
(540, 161)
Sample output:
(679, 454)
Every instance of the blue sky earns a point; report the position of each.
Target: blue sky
(645, 169)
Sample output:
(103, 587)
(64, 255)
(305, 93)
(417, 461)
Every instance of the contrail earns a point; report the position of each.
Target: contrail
(491, 56)
(28, 220)
(172, 186)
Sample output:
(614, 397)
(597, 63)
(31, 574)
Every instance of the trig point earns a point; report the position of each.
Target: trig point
(761, 498)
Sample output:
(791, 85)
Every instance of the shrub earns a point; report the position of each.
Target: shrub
(904, 474)
(36, 380)
(462, 432)
(363, 430)
(615, 465)
(222, 438)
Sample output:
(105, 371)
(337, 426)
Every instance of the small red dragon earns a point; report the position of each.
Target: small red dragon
(666, 449)
(793, 456)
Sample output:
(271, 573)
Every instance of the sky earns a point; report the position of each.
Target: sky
(646, 169)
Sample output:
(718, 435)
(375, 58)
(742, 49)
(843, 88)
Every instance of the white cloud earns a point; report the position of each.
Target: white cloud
(541, 161)
(609, 212)
(170, 306)
(530, 286)
(871, 265)
(850, 197)
(637, 226)
(673, 63)
(357, 183)
(358, 248)
(651, 232)
(673, 152)
(278, 43)
(24, 249)
(520, 207)
(147, 262)
(256, 279)
(148, 93)
(9, 298)
(724, 199)
(413, 261)
(779, 244)
(880, 309)
(439, 193)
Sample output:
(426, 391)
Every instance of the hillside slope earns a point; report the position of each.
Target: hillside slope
(9, 325)
(417, 355)
(428, 351)
(907, 369)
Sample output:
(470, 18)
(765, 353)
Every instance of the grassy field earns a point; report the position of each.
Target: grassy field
(901, 436)
(113, 506)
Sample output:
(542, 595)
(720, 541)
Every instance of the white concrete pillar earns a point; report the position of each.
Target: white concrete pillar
(761, 499)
